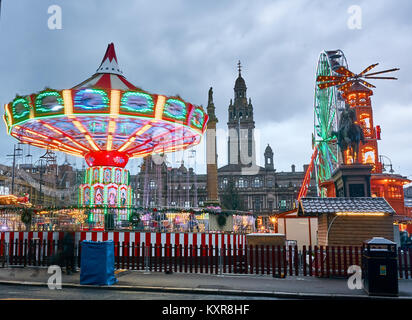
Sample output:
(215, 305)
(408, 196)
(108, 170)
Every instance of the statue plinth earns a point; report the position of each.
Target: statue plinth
(353, 180)
(211, 203)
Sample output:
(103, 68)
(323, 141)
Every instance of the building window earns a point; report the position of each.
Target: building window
(257, 203)
(152, 184)
(224, 182)
(187, 204)
(257, 183)
(269, 183)
(241, 183)
(394, 192)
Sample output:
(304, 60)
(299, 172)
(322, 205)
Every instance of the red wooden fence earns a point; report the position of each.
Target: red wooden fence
(277, 261)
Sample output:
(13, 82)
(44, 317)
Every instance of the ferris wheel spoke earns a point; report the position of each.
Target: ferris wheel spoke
(330, 122)
(332, 153)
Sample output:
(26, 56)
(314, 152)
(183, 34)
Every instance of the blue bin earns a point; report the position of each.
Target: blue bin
(97, 263)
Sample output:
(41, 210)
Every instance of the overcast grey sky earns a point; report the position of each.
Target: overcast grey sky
(185, 47)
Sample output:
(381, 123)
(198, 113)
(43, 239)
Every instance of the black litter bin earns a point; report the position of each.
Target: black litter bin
(380, 267)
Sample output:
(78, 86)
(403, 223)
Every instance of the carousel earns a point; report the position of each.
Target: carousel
(106, 120)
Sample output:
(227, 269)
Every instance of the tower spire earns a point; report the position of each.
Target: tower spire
(241, 119)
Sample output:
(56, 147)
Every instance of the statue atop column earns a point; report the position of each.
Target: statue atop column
(210, 95)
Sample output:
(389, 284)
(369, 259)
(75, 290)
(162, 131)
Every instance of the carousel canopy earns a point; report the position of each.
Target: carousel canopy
(105, 119)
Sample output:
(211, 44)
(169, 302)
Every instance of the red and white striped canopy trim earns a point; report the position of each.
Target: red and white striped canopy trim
(108, 75)
(106, 81)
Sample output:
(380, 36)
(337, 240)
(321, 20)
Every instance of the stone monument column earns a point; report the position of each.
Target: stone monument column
(211, 153)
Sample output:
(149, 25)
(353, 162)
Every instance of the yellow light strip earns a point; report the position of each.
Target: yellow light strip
(139, 154)
(51, 128)
(175, 148)
(79, 126)
(133, 136)
(57, 142)
(159, 107)
(92, 143)
(42, 144)
(176, 129)
(68, 103)
(111, 127)
(7, 106)
(128, 143)
(35, 133)
(78, 144)
(109, 142)
(69, 138)
(114, 103)
(368, 214)
(31, 139)
(143, 129)
(31, 114)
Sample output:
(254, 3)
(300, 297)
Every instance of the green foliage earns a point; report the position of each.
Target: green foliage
(221, 220)
(26, 216)
(134, 219)
(231, 199)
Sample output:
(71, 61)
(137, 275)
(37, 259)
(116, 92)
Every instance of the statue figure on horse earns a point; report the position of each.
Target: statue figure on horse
(349, 134)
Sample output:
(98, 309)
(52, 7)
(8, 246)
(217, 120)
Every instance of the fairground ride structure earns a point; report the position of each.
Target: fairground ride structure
(106, 120)
(335, 87)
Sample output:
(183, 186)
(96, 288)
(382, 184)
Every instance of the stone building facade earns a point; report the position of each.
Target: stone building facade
(262, 190)
(52, 185)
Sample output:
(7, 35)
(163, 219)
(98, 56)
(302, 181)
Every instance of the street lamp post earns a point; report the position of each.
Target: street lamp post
(384, 164)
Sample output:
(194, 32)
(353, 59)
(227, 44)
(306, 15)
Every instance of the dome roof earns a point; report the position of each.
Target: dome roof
(240, 83)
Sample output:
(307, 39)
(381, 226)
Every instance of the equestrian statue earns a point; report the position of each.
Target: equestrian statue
(350, 134)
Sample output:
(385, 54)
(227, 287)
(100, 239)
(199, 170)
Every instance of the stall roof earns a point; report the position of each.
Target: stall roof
(316, 206)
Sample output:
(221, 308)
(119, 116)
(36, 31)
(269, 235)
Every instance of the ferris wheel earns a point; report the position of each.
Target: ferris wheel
(332, 79)
(328, 103)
